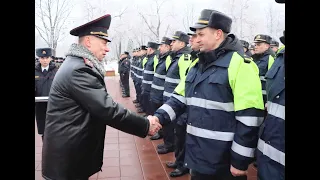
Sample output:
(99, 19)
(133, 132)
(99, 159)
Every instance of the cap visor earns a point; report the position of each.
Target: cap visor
(105, 38)
(260, 41)
(197, 26)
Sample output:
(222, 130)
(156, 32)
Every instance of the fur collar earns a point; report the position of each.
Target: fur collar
(81, 51)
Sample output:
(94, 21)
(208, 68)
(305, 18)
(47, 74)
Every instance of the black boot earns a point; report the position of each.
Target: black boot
(179, 172)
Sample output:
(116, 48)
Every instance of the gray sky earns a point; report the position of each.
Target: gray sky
(173, 13)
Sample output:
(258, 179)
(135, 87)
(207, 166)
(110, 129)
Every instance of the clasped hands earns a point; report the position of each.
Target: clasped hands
(155, 125)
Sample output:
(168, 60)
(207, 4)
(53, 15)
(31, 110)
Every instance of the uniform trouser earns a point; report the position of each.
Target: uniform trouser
(227, 176)
(41, 110)
(180, 139)
(120, 80)
(138, 91)
(125, 83)
(168, 135)
(146, 102)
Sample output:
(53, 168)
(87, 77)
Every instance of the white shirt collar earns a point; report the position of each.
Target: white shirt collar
(44, 68)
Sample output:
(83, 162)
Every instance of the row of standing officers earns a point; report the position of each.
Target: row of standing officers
(160, 73)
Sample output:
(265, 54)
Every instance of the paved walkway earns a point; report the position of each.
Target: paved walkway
(127, 157)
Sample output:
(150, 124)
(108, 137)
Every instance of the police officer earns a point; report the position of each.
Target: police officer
(140, 65)
(157, 87)
(124, 74)
(148, 73)
(245, 46)
(264, 58)
(132, 67)
(176, 68)
(135, 64)
(80, 108)
(271, 145)
(180, 128)
(223, 100)
(274, 45)
(133, 70)
(44, 74)
(119, 66)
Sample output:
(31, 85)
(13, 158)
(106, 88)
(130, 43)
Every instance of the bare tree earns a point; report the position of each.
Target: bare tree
(232, 7)
(243, 19)
(188, 17)
(270, 16)
(275, 22)
(243, 25)
(98, 8)
(251, 31)
(138, 36)
(94, 9)
(53, 15)
(238, 12)
(154, 22)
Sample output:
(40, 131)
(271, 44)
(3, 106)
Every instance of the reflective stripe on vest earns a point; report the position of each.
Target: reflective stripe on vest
(271, 152)
(276, 110)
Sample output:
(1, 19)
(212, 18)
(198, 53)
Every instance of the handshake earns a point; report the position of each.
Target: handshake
(155, 125)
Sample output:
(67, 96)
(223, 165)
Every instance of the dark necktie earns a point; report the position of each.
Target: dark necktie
(45, 72)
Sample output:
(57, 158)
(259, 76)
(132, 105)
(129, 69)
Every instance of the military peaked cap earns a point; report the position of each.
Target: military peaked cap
(274, 43)
(244, 43)
(181, 36)
(44, 52)
(213, 19)
(98, 27)
(153, 45)
(262, 38)
(166, 40)
(143, 47)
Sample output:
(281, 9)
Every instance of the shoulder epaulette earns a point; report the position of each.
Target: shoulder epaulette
(186, 57)
(247, 60)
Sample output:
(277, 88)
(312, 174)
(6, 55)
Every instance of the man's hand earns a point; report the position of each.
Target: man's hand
(235, 172)
(155, 126)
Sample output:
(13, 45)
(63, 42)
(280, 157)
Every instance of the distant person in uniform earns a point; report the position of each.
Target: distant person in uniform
(44, 74)
(264, 58)
(124, 71)
(274, 45)
(80, 108)
(245, 46)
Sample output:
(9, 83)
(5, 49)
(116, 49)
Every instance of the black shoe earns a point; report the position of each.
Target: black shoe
(165, 150)
(179, 172)
(135, 101)
(172, 165)
(156, 137)
(160, 146)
